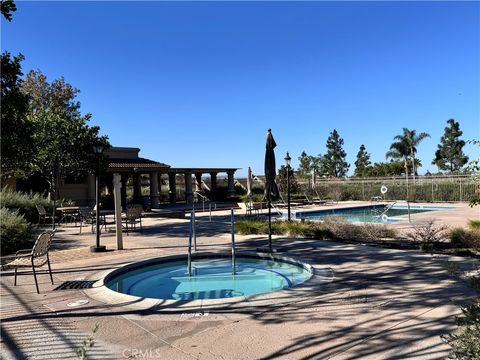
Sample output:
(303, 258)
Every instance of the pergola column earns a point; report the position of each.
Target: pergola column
(231, 182)
(123, 190)
(117, 186)
(213, 185)
(188, 187)
(198, 182)
(154, 189)
(172, 187)
(137, 187)
(159, 181)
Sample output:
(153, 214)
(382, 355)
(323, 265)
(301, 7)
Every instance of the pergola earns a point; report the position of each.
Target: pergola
(126, 163)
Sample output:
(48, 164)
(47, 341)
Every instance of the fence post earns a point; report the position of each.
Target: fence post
(433, 197)
(461, 190)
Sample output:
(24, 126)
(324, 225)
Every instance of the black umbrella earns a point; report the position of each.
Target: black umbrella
(271, 190)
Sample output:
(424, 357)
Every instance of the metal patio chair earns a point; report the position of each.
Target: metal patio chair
(133, 217)
(42, 214)
(36, 257)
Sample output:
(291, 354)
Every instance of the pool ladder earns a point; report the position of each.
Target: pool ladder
(192, 236)
(387, 207)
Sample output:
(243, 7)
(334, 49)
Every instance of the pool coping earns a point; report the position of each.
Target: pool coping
(100, 292)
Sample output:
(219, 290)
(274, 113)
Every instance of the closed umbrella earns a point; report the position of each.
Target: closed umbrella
(271, 189)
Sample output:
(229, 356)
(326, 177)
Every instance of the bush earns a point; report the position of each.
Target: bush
(465, 340)
(345, 231)
(256, 226)
(428, 232)
(322, 231)
(26, 202)
(474, 224)
(16, 233)
(460, 237)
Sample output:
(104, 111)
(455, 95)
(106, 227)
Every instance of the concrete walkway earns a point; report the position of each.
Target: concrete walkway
(381, 303)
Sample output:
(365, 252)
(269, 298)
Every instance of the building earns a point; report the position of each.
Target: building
(126, 162)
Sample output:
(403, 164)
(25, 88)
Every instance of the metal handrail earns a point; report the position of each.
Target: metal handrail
(202, 196)
(388, 207)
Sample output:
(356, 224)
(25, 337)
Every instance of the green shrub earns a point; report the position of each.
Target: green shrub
(16, 233)
(256, 226)
(26, 202)
(465, 340)
(322, 231)
(474, 224)
(460, 237)
(427, 247)
(462, 252)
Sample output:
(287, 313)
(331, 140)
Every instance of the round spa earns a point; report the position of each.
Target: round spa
(211, 277)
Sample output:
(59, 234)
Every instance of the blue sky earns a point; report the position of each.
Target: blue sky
(199, 83)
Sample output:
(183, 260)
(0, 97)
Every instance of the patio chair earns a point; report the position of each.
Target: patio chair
(86, 215)
(133, 216)
(35, 257)
(42, 214)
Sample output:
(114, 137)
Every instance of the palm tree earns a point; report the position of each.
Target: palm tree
(399, 150)
(411, 139)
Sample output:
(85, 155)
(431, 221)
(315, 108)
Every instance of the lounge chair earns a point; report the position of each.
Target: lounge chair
(35, 257)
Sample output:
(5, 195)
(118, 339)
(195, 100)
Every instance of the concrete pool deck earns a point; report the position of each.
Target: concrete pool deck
(381, 303)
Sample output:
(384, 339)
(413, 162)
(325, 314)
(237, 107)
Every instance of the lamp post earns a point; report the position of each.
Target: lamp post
(288, 160)
(98, 150)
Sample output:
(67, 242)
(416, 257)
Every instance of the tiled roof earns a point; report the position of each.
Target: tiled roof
(136, 163)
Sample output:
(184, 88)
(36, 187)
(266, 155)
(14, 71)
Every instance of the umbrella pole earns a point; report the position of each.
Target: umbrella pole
(269, 223)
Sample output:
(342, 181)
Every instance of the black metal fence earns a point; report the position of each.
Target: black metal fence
(425, 188)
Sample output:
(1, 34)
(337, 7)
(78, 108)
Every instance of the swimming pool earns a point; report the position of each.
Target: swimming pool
(369, 213)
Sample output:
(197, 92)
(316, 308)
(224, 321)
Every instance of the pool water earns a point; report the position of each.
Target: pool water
(211, 279)
(371, 214)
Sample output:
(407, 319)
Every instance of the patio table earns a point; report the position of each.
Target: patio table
(69, 212)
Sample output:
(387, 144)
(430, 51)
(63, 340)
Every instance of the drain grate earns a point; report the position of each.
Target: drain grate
(76, 284)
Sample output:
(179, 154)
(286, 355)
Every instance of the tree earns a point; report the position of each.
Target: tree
(450, 156)
(362, 162)
(305, 165)
(282, 180)
(411, 139)
(309, 164)
(381, 169)
(16, 131)
(334, 162)
(399, 151)
(62, 140)
(405, 148)
(7, 8)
